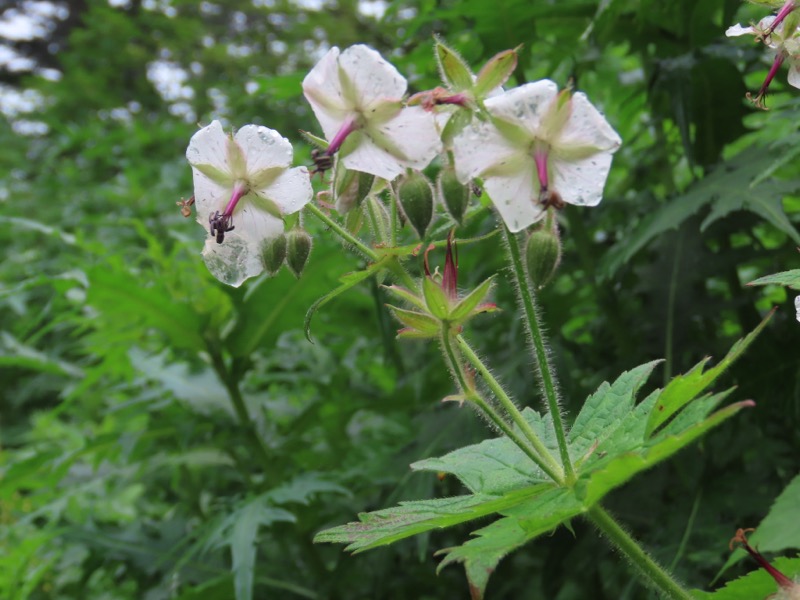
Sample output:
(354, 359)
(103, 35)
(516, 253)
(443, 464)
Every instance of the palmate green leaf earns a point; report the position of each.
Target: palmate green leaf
(753, 586)
(684, 388)
(493, 466)
(383, 527)
(615, 469)
(240, 531)
(518, 526)
(790, 279)
(14, 353)
(605, 409)
(120, 298)
(726, 189)
(780, 529)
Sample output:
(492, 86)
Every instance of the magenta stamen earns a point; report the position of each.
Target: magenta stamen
(781, 579)
(787, 8)
(457, 99)
(348, 127)
(773, 70)
(540, 158)
(239, 191)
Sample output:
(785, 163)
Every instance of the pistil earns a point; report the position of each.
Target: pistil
(758, 100)
(348, 127)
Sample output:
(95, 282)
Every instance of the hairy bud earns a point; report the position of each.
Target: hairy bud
(453, 194)
(415, 196)
(273, 253)
(298, 249)
(543, 253)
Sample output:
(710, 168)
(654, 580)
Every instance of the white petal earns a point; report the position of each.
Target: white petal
(479, 147)
(290, 191)
(373, 78)
(323, 90)
(797, 306)
(525, 105)
(207, 148)
(412, 136)
(209, 196)
(580, 182)
(368, 157)
(586, 130)
(737, 30)
(263, 148)
(514, 198)
(794, 74)
(238, 257)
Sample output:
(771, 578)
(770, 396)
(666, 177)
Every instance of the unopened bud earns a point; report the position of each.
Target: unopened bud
(415, 196)
(298, 249)
(453, 194)
(273, 253)
(543, 253)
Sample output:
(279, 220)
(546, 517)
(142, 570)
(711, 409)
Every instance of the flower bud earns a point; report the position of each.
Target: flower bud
(453, 194)
(273, 253)
(298, 249)
(543, 253)
(415, 196)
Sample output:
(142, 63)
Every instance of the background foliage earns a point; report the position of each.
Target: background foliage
(125, 470)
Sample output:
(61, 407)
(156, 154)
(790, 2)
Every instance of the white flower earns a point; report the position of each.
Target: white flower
(797, 306)
(785, 44)
(242, 186)
(541, 148)
(357, 98)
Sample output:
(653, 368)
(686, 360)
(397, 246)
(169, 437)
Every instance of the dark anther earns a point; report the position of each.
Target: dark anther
(550, 198)
(322, 162)
(219, 225)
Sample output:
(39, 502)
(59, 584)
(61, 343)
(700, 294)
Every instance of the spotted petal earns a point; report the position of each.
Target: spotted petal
(374, 80)
(208, 153)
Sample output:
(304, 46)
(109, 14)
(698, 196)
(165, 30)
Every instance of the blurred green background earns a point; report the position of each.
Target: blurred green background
(124, 471)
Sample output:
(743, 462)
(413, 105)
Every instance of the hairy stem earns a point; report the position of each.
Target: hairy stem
(342, 232)
(647, 567)
(547, 380)
(511, 409)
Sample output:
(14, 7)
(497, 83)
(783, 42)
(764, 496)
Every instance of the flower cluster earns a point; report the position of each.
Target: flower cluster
(781, 34)
(533, 147)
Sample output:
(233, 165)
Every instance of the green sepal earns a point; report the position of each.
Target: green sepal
(495, 72)
(455, 124)
(406, 295)
(421, 323)
(454, 71)
(466, 307)
(312, 139)
(436, 300)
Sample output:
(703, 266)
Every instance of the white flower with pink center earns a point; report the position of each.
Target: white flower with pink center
(357, 98)
(243, 184)
(540, 148)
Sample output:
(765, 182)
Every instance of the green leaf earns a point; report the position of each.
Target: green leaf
(726, 189)
(389, 525)
(518, 526)
(303, 488)
(240, 531)
(406, 295)
(790, 279)
(495, 72)
(604, 410)
(493, 466)
(616, 469)
(452, 68)
(14, 353)
(780, 529)
(684, 388)
(124, 300)
(753, 586)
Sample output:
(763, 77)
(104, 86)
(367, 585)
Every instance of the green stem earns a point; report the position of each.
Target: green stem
(240, 408)
(342, 232)
(648, 568)
(511, 409)
(470, 394)
(394, 224)
(539, 350)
